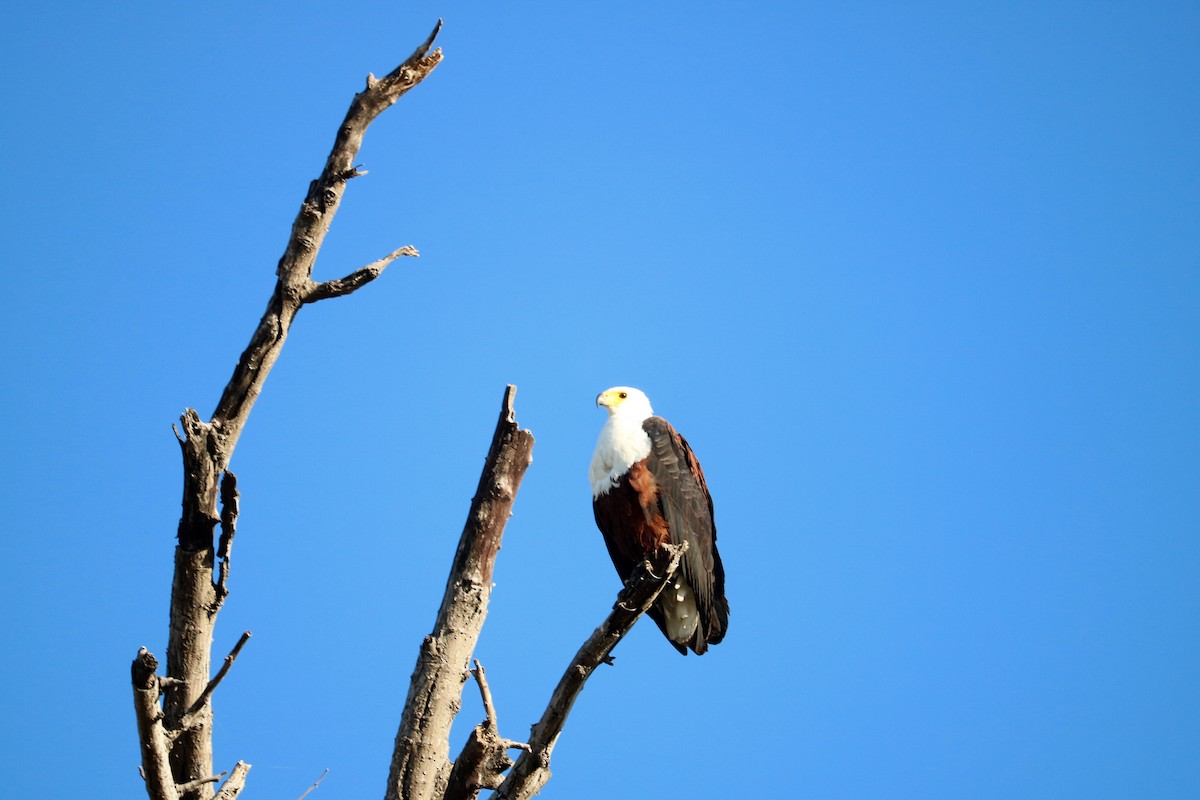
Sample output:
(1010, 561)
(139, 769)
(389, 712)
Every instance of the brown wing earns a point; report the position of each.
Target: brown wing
(687, 507)
(633, 525)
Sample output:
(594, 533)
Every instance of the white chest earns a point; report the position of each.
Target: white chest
(622, 442)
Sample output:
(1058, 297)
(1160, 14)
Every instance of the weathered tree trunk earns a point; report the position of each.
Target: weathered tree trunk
(420, 760)
(181, 733)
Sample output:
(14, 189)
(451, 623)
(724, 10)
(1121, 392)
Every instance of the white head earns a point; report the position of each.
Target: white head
(627, 402)
(622, 440)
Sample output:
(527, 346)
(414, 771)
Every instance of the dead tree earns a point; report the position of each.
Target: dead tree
(174, 712)
(177, 740)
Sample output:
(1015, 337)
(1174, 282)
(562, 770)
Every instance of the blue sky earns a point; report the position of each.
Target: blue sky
(920, 284)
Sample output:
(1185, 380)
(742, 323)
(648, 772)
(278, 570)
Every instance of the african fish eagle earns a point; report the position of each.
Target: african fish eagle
(648, 490)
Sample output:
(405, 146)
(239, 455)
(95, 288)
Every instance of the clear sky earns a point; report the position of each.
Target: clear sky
(920, 283)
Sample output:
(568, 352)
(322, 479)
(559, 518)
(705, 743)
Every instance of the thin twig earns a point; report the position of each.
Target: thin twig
(184, 788)
(349, 174)
(489, 708)
(485, 693)
(316, 783)
(222, 672)
(186, 721)
(358, 278)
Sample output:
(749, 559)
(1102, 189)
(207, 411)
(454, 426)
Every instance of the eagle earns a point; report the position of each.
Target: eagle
(648, 490)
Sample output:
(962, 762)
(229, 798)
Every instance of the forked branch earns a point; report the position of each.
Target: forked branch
(358, 278)
(532, 769)
(178, 763)
(295, 285)
(484, 758)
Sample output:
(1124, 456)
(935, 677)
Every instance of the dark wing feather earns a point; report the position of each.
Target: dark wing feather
(630, 516)
(685, 502)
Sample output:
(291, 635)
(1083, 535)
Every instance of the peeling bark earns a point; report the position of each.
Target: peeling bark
(420, 761)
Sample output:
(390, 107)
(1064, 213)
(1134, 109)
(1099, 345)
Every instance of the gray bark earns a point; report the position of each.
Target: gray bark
(200, 583)
(420, 762)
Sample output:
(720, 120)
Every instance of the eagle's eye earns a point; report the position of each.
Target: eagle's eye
(623, 395)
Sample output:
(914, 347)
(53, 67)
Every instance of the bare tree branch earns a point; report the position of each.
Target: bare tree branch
(189, 718)
(532, 769)
(229, 659)
(312, 223)
(420, 761)
(485, 693)
(484, 758)
(207, 447)
(358, 278)
(196, 784)
(489, 709)
(316, 783)
(156, 766)
(234, 783)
